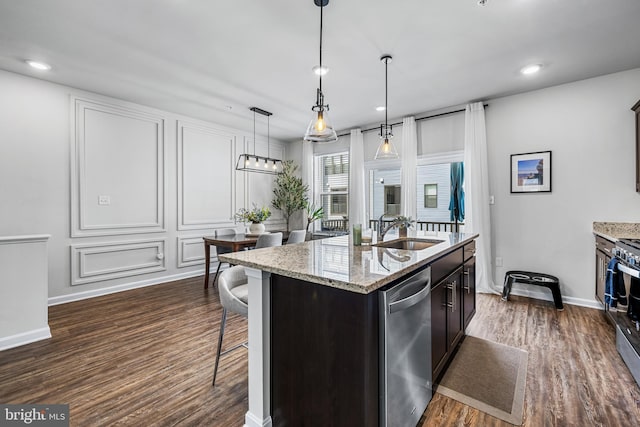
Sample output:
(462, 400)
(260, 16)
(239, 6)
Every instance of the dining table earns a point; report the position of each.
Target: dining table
(236, 242)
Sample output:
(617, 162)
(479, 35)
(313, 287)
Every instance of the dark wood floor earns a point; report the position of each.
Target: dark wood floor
(145, 357)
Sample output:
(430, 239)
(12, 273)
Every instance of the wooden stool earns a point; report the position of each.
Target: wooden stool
(539, 279)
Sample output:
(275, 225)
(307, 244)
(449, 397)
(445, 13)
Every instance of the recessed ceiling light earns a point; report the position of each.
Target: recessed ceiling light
(320, 71)
(380, 108)
(38, 65)
(530, 69)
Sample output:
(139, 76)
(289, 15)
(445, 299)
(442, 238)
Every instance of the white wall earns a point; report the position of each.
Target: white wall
(589, 127)
(170, 180)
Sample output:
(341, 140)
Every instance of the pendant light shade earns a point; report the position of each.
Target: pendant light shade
(320, 127)
(260, 164)
(386, 150)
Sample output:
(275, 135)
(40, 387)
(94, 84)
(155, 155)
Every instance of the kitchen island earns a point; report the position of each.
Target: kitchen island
(314, 323)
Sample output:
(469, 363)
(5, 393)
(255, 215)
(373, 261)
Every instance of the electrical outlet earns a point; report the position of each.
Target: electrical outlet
(104, 200)
(492, 200)
(498, 261)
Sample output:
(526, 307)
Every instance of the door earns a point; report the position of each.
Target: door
(439, 300)
(469, 290)
(454, 308)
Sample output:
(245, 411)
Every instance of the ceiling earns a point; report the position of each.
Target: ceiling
(212, 60)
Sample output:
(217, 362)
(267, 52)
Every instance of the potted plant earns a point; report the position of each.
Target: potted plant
(289, 193)
(256, 216)
(313, 213)
(404, 223)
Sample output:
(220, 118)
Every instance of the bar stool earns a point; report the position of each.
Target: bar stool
(234, 297)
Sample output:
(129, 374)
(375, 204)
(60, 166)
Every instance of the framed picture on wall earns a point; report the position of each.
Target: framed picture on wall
(531, 172)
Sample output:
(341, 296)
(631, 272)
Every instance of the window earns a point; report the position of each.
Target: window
(332, 182)
(431, 196)
(392, 194)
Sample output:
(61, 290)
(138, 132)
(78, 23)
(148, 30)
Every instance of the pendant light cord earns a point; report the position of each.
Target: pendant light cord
(268, 136)
(254, 132)
(386, 96)
(321, 7)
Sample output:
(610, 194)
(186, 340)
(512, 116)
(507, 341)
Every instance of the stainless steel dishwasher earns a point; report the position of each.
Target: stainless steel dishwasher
(405, 350)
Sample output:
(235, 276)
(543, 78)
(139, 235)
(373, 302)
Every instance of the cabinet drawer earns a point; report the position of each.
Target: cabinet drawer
(469, 250)
(445, 266)
(604, 245)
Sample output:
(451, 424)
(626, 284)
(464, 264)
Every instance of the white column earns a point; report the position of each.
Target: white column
(24, 291)
(259, 414)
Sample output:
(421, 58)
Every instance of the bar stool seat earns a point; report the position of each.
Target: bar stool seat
(530, 278)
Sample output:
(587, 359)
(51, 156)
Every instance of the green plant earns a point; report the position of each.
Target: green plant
(404, 221)
(313, 213)
(289, 193)
(255, 215)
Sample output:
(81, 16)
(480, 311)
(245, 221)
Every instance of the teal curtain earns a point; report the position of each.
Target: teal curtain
(456, 202)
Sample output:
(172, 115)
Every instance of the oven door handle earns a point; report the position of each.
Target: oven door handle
(630, 271)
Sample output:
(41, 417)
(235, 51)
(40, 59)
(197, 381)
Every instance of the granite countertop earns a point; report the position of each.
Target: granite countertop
(617, 230)
(337, 263)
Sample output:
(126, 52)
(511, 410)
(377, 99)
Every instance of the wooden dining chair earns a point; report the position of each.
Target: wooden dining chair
(297, 236)
(269, 239)
(221, 249)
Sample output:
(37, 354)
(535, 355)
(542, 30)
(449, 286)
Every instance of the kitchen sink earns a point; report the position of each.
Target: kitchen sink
(410, 244)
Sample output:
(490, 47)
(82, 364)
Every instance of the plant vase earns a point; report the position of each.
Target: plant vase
(402, 231)
(256, 228)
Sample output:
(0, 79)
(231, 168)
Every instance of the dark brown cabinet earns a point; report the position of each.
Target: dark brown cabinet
(603, 256)
(469, 290)
(447, 326)
(439, 342)
(636, 109)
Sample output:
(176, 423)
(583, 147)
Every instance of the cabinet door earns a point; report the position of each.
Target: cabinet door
(454, 309)
(604, 252)
(602, 261)
(469, 290)
(439, 300)
(636, 109)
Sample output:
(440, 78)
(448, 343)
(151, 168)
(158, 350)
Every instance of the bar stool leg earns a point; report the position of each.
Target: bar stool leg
(222, 324)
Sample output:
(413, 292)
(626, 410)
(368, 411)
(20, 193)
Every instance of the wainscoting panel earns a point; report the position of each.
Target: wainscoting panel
(117, 169)
(206, 178)
(191, 251)
(104, 261)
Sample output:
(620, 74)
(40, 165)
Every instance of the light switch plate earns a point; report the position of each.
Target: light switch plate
(492, 200)
(104, 200)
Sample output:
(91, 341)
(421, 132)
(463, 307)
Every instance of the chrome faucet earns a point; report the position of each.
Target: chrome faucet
(382, 232)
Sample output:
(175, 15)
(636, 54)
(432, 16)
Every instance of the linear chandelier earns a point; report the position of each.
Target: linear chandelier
(320, 128)
(386, 150)
(260, 164)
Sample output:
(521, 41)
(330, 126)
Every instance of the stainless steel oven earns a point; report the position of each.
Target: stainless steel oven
(627, 318)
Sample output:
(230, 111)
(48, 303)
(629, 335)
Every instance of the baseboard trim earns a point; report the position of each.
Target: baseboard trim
(250, 420)
(78, 296)
(567, 300)
(24, 338)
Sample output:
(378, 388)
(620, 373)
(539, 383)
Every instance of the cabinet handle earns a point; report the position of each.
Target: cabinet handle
(607, 250)
(451, 304)
(453, 288)
(467, 287)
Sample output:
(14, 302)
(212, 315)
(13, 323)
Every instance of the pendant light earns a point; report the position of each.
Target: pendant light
(259, 164)
(320, 128)
(386, 150)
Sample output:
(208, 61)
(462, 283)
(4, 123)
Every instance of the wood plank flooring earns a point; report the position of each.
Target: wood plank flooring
(145, 357)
